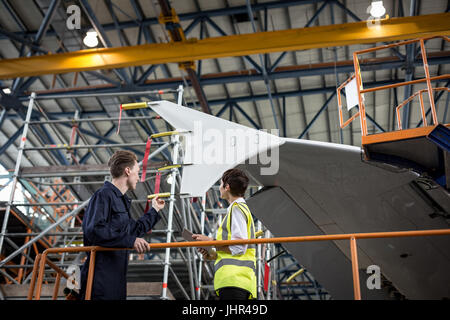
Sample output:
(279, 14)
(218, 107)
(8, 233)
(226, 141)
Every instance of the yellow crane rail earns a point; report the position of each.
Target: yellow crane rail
(228, 46)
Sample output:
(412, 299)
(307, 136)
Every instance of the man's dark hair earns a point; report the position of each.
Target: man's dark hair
(119, 161)
(237, 180)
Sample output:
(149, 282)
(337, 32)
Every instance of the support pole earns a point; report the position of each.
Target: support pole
(259, 262)
(354, 252)
(16, 170)
(429, 88)
(188, 252)
(176, 145)
(180, 95)
(37, 261)
(192, 254)
(56, 288)
(200, 263)
(90, 278)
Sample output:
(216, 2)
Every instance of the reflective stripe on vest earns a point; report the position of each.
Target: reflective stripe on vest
(235, 262)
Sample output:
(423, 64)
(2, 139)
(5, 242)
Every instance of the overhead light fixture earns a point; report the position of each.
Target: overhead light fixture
(7, 91)
(91, 39)
(377, 10)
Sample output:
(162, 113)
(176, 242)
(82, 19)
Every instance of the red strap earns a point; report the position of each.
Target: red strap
(145, 160)
(72, 137)
(266, 276)
(147, 206)
(157, 181)
(120, 117)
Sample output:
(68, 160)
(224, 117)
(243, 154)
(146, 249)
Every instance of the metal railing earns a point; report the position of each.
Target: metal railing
(41, 259)
(422, 108)
(360, 90)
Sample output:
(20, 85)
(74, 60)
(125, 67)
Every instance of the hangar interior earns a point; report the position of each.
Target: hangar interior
(59, 125)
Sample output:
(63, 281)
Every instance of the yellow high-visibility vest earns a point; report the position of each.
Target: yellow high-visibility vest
(238, 270)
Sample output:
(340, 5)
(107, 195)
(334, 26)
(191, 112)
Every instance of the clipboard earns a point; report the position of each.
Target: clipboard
(187, 235)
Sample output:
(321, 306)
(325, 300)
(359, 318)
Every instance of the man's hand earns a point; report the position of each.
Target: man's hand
(141, 246)
(158, 204)
(204, 252)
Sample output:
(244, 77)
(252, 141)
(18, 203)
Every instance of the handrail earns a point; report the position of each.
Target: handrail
(41, 259)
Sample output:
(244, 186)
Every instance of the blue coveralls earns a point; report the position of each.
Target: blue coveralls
(107, 223)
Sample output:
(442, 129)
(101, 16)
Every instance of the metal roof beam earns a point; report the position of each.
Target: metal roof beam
(27, 42)
(193, 15)
(102, 36)
(11, 140)
(222, 102)
(322, 109)
(241, 76)
(264, 69)
(39, 36)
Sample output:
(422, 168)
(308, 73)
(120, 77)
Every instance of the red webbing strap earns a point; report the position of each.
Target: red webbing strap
(147, 207)
(157, 181)
(72, 137)
(145, 160)
(266, 276)
(120, 117)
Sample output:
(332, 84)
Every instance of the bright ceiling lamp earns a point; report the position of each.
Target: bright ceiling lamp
(377, 9)
(91, 39)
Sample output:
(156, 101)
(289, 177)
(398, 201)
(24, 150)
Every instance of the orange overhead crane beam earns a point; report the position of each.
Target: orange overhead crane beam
(228, 46)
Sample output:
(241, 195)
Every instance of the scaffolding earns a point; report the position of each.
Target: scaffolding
(61, 208)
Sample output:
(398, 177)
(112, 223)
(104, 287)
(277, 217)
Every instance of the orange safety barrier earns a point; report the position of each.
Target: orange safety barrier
(359, 85)
(41, 260)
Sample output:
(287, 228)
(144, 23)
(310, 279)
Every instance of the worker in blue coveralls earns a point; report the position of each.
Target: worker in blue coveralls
(107, 223)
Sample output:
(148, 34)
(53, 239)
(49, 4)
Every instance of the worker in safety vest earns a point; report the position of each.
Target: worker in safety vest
(235, 266)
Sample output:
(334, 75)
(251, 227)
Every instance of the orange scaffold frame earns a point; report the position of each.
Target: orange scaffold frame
(359, 85)
(41, 259)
